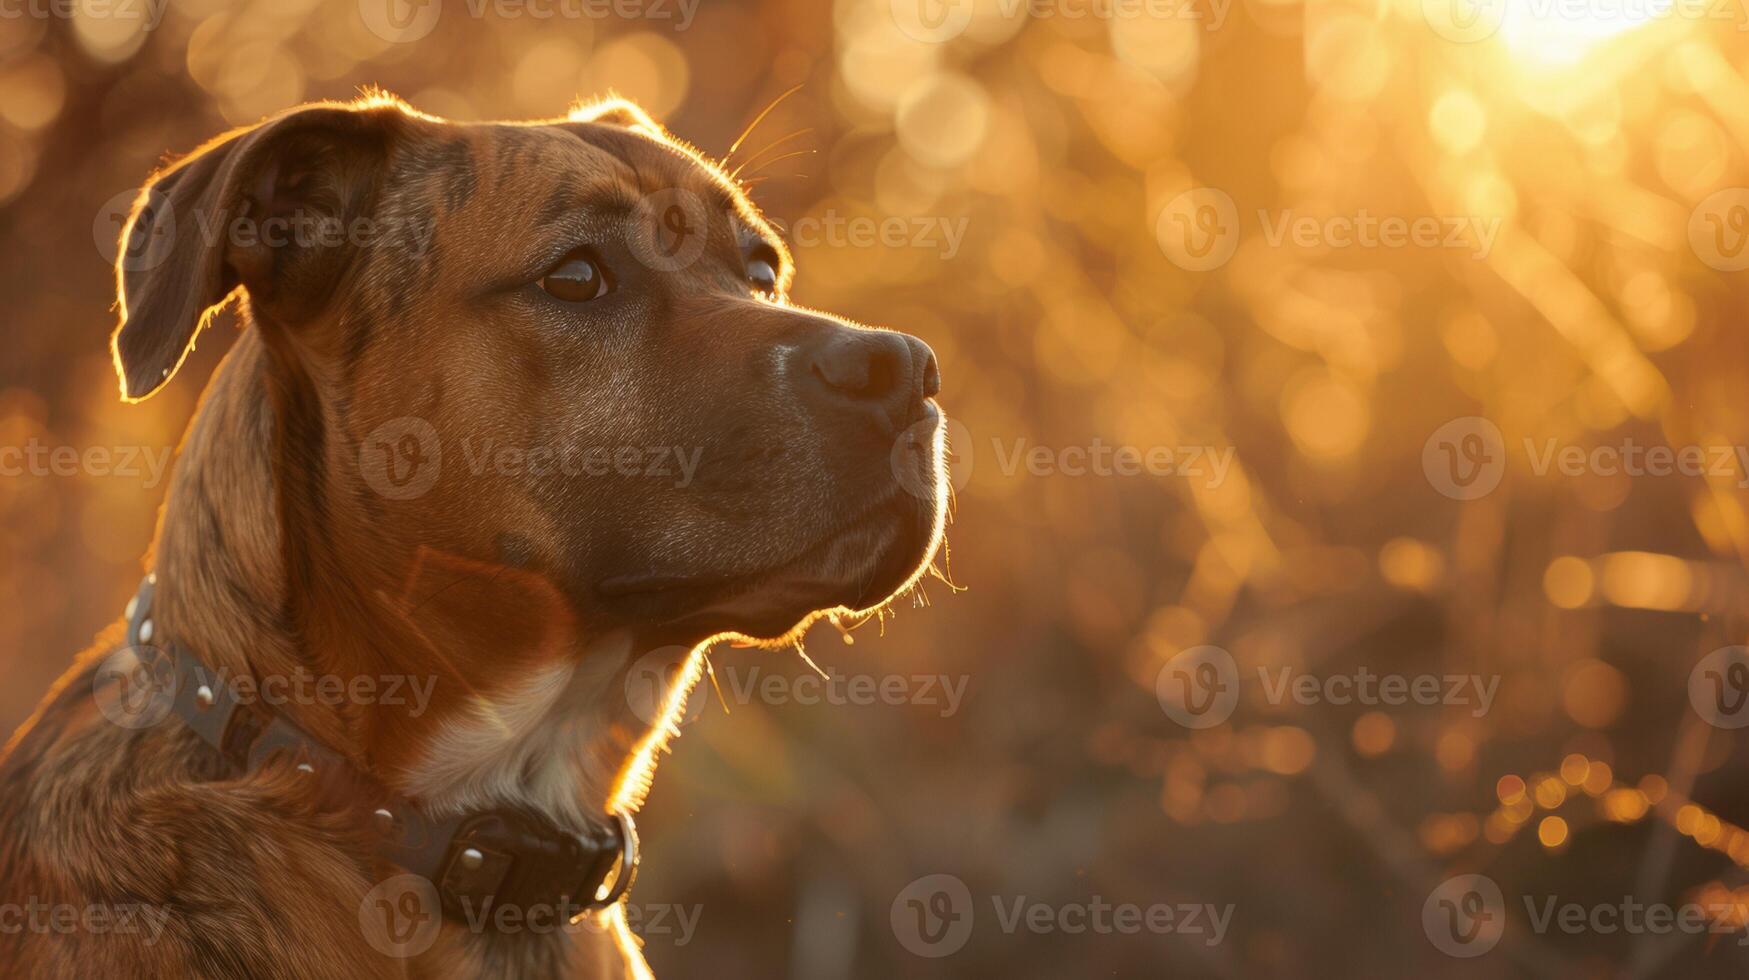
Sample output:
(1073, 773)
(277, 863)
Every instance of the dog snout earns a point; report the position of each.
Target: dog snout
(891, 373)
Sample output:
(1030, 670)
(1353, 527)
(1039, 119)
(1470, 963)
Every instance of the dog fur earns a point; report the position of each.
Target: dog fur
(524, 597)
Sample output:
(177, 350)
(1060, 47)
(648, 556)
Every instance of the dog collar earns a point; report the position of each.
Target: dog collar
(477, 861)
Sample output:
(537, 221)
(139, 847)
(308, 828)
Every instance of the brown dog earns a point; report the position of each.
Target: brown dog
(517, 404)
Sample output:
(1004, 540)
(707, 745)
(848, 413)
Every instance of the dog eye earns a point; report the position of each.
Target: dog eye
(578, 278)
(762, 271)
(762, 276)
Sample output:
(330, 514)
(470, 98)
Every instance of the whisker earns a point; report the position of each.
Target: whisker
(767, 149)
(757, 120)
(803, 653)
(779, 159)
(710, 670)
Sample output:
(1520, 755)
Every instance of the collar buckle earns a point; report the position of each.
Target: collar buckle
(507, 857)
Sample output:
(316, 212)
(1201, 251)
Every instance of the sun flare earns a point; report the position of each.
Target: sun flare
(1558, 32)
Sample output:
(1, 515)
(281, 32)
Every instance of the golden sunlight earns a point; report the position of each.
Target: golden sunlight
(1561, 32)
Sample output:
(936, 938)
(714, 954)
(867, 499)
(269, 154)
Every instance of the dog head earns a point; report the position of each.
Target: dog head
(543, 371)
(565, 346)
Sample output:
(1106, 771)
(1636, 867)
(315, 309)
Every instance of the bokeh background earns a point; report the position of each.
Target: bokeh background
(1060, 147)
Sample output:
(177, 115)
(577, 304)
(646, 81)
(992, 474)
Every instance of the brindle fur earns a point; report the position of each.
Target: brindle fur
(274, 555)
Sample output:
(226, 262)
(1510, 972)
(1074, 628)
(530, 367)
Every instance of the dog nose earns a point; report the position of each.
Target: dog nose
(892, 372)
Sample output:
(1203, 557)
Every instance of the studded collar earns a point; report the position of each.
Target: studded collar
(475, 861)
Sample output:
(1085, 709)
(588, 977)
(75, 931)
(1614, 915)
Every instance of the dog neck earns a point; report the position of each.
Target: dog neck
(267, 571)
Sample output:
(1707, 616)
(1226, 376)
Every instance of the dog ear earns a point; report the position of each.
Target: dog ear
(616, 112)
(205, 226)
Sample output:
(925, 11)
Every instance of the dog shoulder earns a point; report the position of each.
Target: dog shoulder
(120, 860)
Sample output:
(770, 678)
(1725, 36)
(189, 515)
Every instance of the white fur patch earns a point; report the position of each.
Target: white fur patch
(534, 747)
